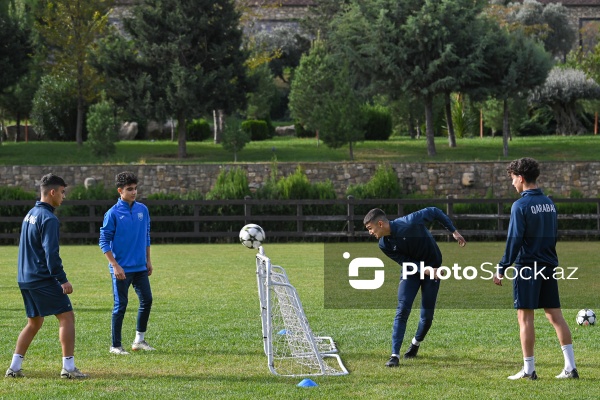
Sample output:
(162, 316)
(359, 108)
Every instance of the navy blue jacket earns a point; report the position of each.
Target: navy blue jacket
(532, 232)
(411, 241)
(39, 259)
(126, 232)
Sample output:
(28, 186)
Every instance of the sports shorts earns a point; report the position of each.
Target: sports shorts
(44, 301)
(535, 287)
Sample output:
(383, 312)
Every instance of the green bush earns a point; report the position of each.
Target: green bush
(257, 129)
(54, 111)
(102, 129)
(382, 185)
(180, 210)
(377, 122)
(198, 130)
(302, 132)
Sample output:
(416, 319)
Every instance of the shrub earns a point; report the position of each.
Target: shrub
(383, 185)
(377, 122)
(258, 130)
(14, 193)
(102, 129)
(198, 130)
(54, 111)
(302, 132)
(79, 192)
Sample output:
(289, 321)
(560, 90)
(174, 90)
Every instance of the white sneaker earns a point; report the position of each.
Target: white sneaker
(74, 374)
(14, 374)
(119, 350)
(143, 345)
(522, 375)
(573, 374)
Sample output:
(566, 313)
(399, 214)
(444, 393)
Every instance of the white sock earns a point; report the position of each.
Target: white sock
(395, 355)
(139, 337)
(529, 365)
(69, 363)
(17, 362)
(569, 357)
(416, 342)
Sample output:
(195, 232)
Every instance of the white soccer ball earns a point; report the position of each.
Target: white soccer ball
(252, 236)
(586, 317)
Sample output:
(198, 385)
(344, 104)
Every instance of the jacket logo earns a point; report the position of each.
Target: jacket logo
(140, 216)
(31, 218)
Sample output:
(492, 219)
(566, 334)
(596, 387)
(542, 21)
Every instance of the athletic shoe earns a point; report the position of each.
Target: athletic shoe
(74, 374)
(412, 351)
(14, 374)
(522, 375)
(119, 350)
(143, 345)
(393, 362)
(573, 374)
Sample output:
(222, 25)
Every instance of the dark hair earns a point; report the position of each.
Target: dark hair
(526, 167)
(376, 214)
(123, 179)
(49, 180)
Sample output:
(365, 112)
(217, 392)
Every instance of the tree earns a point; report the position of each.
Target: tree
(234, 137)
(417, 46)
(187, 59)
(562, 91)
(70, 28)
(102, 129)
(322, 98)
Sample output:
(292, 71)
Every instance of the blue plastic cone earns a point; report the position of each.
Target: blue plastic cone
(307, 383)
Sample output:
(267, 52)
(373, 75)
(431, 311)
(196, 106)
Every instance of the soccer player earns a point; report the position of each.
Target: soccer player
(407, 239)
(125, 241)
(531, 246)
(43, 281)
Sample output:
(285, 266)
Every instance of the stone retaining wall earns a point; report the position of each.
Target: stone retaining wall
(438, 179)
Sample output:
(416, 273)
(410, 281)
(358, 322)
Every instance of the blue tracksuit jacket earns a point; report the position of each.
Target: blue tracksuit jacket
(532, 232)
(411, 241)
(126, 232)
(39, 262)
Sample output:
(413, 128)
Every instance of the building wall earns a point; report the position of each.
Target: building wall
(438, 179)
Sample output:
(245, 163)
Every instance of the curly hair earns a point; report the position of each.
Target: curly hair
(125, 178)
(526, 167)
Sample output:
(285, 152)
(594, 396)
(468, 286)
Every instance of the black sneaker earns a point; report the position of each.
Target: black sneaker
(522, 375)
(393, 362)
(412, 351)
(573, 374)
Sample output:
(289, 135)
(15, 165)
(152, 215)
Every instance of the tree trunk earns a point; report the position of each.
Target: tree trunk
(181, 134)
(567, 123)
(218, 121)
(429, 131)
(80, 106)
(351, 151)
(18, 132)
(449, 122)
(505, 128)
(411, 127)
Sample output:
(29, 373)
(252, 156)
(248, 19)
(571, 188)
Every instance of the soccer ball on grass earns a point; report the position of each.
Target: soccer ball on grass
(252, 236)
(586, 317)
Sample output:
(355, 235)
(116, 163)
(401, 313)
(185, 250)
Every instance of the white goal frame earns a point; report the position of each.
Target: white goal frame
(289, 343)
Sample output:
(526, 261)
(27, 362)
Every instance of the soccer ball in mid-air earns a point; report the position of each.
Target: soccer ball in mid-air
(586, 317)
(252, 236)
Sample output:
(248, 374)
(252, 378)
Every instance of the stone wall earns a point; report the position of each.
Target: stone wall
(439, 179)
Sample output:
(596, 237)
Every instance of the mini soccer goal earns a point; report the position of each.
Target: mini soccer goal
(289, 343)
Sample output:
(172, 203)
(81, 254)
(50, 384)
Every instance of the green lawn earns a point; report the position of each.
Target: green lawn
(397, 149)
(206, 326)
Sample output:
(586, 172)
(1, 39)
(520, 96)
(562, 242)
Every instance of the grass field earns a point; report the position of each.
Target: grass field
(397, 149)
(206, 326)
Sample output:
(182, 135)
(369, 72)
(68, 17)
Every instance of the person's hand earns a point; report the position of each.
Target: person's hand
(149, 267)
(119, 272)
(461, 240)
(67, 288)
(498, 279)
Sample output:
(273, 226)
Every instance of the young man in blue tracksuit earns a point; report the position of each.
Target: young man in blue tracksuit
(408, 240)
(42, 279)
(531, 247)
(125, 241)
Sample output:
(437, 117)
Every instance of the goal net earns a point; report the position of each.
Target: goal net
(291, 347)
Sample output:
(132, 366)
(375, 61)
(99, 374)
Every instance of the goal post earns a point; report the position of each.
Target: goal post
(289, 344)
